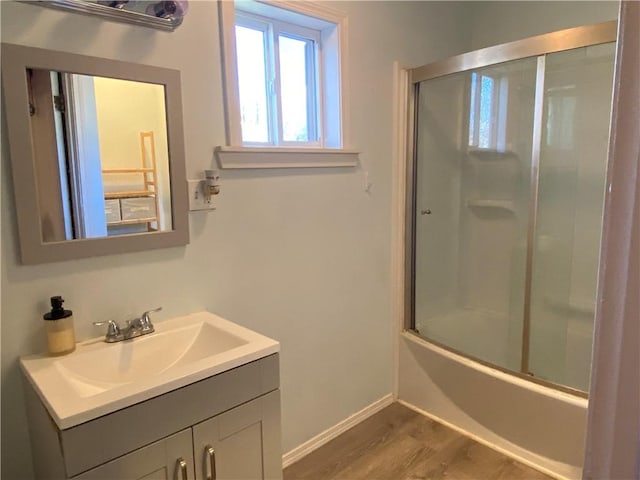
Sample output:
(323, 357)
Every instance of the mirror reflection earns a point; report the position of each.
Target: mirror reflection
(101, 155)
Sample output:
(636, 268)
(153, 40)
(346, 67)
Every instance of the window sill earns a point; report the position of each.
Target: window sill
(283, 157)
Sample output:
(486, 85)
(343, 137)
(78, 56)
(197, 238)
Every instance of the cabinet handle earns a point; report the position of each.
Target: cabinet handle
(211, 455)
(182, 465)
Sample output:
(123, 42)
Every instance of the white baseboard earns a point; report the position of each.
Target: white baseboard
(316, 442)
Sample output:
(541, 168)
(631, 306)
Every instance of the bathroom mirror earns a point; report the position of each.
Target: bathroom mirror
(97, 154)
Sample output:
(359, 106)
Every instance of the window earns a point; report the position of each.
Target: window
(284, 73)
(277, 82)
(487, 111)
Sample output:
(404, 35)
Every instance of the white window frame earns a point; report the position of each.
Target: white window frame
(329, 150)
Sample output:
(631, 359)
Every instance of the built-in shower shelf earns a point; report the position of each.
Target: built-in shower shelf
(572, 306)
(506, 206)
(486, 154)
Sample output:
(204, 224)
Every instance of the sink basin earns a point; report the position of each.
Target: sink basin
(94, 371)
(99, 378)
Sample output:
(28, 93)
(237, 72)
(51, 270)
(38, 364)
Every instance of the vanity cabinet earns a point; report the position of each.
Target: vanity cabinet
(242, 443)
(223, 427)
(166, 459)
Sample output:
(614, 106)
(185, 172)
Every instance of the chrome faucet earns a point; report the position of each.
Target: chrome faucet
(134, 328)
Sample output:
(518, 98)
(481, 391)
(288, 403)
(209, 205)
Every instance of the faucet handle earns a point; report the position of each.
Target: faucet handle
(153, 310)
(113, 330)
(145, 319)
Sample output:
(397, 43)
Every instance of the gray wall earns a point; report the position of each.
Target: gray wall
(501, 22)
(300, 255)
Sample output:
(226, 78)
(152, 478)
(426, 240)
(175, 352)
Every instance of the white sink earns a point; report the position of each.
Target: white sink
(94, 371)
(99, 378)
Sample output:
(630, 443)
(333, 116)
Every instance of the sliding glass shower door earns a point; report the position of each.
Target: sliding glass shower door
(473, 164)
(568, 222)
(506, 195)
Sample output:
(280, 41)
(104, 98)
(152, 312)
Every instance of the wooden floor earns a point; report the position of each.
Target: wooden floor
(397, 444)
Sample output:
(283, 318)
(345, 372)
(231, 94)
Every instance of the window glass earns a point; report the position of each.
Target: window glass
(296, 88)
(252, 84)
(486, 112)
(488, 102)
(472, 110)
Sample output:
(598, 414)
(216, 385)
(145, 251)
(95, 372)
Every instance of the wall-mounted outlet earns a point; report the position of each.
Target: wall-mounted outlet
(197, 198)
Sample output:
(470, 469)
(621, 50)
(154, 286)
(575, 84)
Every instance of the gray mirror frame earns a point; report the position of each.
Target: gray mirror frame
(15, 60)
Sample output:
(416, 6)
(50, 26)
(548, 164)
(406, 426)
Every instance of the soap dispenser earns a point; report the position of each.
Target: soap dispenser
(61, 338)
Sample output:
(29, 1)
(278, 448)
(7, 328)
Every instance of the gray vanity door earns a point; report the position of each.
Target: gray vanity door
(162, 460)
(242, 443)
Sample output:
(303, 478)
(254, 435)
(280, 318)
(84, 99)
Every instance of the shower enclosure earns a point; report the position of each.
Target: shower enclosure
(506, 184)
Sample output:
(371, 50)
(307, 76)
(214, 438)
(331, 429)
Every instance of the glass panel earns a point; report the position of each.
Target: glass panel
(472, 210)
(115, 180)
(252, 84)
(472, 112)
(573, 160)
(487, 123)
(294, 84)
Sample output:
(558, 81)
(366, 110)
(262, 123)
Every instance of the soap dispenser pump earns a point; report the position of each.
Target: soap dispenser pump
(61, 338)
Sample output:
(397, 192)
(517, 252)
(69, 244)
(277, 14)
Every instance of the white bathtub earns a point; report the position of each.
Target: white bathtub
(537, 425)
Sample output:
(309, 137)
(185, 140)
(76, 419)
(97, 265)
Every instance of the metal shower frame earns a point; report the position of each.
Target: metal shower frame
(538, 46)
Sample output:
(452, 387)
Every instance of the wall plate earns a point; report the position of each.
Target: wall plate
(197, 200)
